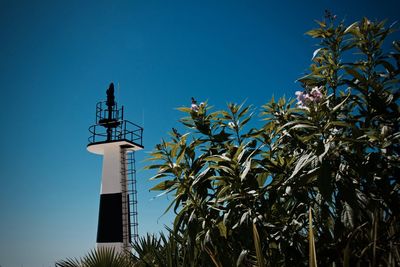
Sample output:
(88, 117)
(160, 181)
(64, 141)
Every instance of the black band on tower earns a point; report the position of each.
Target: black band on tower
(110, 218)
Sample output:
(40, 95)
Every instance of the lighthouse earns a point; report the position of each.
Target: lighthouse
(116, 140)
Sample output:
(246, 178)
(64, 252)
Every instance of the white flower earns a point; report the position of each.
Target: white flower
(302, 99)
(288, 190)
(194, 107)
(232, 125)
(299, 95)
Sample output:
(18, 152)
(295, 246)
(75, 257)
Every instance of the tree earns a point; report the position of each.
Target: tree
(101, 257)
(334, 151)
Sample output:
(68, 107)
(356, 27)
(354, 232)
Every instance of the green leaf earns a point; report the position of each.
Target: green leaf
(213, 257)
(244, 218)
(154, 166)
(316, 53)
(246, 170)
(241, 257)
(244, 111)
(336, 123)
(245, 121)
(312, 258)
(303, 161)
(180, 155)
(218, 158)
(347, 216)
(224, 168)
(303, 126)
(158, 176)
(355, 74)
(321, 23)
(341, 103)
(165, 185)
(262, 178)
(316, 33)
(351, 27)
(222, 229)
(257, 245)
(185, 109)
(325, 184)
(200, 176)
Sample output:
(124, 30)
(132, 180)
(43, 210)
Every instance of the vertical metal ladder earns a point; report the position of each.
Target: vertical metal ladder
(129, 198)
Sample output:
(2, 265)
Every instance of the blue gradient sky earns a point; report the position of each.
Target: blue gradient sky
(56, 61)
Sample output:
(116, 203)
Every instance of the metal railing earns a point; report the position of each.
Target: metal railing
(102, 112)
(125, 130)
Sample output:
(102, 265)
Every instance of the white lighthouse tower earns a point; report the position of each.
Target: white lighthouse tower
(116, 140)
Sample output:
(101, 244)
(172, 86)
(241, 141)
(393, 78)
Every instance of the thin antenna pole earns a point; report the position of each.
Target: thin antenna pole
(143, 118)
(118, 91)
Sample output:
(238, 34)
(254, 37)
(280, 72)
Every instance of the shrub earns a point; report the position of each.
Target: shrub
(242, 195)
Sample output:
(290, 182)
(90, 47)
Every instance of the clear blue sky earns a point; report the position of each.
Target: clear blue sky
(56, 61)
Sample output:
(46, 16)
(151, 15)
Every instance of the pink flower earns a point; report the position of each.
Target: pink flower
(316, 94)
(305, 99)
